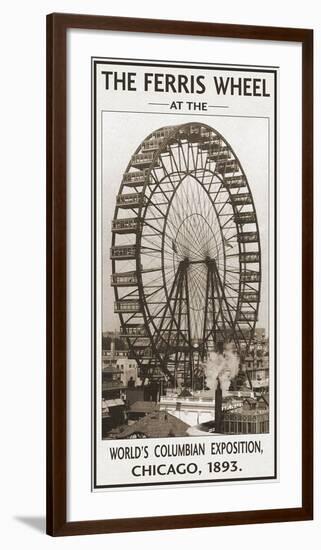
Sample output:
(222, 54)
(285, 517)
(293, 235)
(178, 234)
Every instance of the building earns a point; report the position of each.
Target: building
(155, 424)
(113, 403)
(251, 418)
(139, 409)
(191, 410)
(112, 385)
(257, 362)
(121, 359)
(113, 415)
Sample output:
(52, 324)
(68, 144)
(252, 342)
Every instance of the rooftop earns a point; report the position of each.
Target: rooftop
(157, 424)
(235, 413)
(144, 407)
(264, 397)
(111, 369)
(112, 385)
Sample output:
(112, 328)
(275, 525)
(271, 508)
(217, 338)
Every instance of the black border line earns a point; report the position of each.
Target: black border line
(275, 273)
(181, 63)
(94, 62)
(225, 67)
(93, 282)
(182, 114)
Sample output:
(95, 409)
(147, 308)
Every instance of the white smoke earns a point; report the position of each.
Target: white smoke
(223, 367)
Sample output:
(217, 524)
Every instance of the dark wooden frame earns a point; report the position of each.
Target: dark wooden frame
(57, 25)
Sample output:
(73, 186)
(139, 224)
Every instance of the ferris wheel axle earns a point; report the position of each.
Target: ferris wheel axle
(185, 251)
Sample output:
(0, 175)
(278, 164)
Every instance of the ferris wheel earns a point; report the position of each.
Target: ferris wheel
(186, 256)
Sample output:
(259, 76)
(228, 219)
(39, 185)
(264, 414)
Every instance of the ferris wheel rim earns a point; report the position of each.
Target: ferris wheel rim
(161, 149)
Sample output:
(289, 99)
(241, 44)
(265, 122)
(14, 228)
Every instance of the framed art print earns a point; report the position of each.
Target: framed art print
(179, 274)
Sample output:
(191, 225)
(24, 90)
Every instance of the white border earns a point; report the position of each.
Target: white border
(82, 504)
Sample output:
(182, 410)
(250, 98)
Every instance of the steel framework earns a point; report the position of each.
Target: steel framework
(186, 256)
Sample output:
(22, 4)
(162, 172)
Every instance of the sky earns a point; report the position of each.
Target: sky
(122, 133)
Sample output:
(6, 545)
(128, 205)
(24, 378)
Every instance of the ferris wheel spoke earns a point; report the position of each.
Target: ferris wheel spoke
(193, 157)
(179, 159)
(159, 210)
(230, 217)
(190, 237)
(167, 174)
(181, 147)
(173, 157)
(193, 286)
(219, 190)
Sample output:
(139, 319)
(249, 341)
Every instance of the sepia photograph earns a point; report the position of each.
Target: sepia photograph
(186, 260)
(185, 352)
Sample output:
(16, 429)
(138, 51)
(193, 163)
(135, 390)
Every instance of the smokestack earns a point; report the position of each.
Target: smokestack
(218, 407)
(220, 347)
(112, 346)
